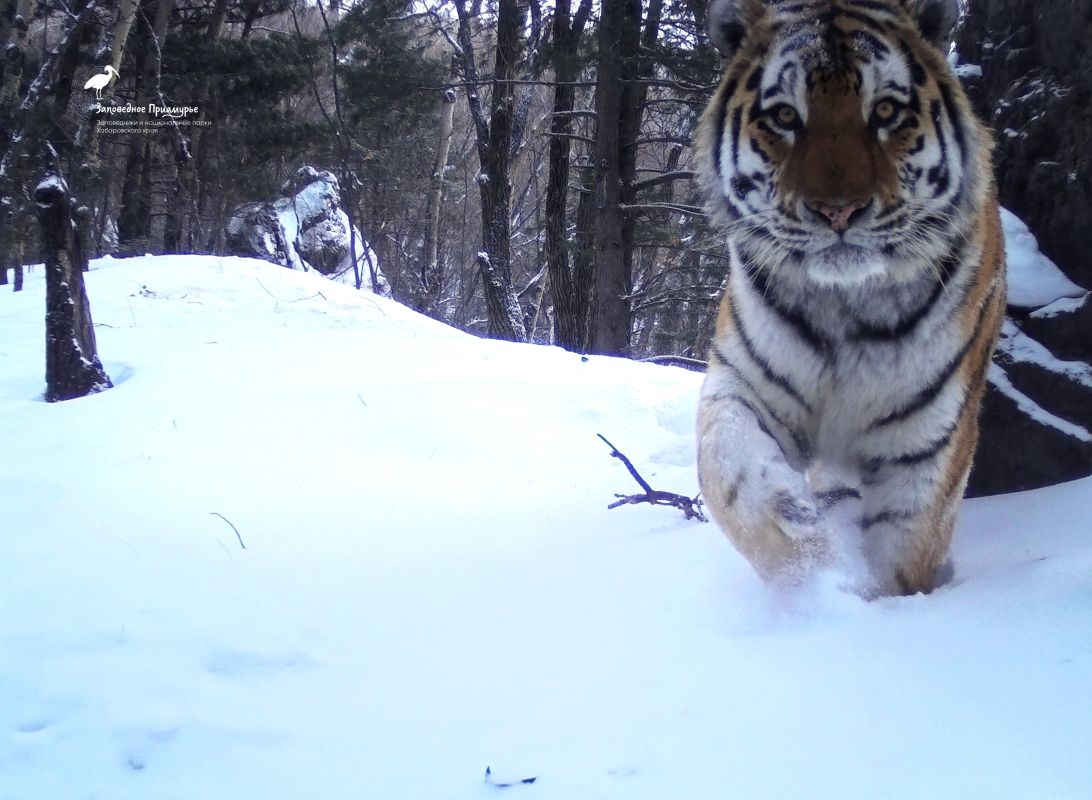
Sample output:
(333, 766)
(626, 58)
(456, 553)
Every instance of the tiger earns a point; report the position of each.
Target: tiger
(838, 417)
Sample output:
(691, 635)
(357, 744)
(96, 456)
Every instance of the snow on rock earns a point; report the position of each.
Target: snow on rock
(306, 229)
(431, 582)
(1040, 387)
(1019, 348)
(1033, 279)
(1066, 305)
(51, 183)
(255, 230)
(967, 71)
(1000, 380)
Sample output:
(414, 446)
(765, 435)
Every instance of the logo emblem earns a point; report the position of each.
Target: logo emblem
(100, 82)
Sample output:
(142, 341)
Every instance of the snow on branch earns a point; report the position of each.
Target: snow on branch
(690, 506)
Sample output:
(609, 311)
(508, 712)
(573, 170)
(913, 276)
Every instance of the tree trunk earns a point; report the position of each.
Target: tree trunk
(15, 55)
(431, 274)
(28, 127)
(619, 40)
(183, 221)
(570, 297)
(17, 15)
(84, 164)
(494, 143)
(73, 368)
(134, 216)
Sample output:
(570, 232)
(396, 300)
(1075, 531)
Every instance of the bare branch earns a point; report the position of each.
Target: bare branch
(690, 506)
(677, 361)
(576, 136)
(676, 208)
(667, 177)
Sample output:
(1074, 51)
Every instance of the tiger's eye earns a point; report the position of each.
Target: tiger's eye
(787, 116)
(885, 111)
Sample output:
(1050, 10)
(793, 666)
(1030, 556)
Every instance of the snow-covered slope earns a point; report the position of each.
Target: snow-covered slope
(431, 583)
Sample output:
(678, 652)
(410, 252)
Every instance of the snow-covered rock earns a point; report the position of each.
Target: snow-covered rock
(1040, 385)
(306, 229)
(1034, 280)
(255, 230)
(1033, 86)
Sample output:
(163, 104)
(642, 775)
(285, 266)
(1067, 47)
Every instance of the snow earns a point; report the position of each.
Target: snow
(1033, 279)
(432, 585)
(1001, 381)
(1066, 305)
(51, 183)
(1021, 348)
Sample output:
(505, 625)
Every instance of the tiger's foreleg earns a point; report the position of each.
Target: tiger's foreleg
(753, 480)
(911, 500)
(909, 512)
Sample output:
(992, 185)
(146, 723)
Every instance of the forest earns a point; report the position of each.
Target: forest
(520, 170)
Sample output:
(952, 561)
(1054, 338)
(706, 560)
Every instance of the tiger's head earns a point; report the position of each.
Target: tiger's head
(840, 147)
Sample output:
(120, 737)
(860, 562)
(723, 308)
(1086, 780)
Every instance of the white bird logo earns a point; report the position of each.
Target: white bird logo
(100, 82)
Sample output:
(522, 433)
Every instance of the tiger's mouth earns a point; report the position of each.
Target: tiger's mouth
(844, 263)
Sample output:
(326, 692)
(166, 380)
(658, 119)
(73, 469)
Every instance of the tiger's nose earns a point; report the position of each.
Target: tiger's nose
(840, 217)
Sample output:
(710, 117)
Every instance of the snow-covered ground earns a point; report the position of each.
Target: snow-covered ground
(431, 582)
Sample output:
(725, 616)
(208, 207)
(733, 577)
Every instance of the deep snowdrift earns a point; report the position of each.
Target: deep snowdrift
(431, 583)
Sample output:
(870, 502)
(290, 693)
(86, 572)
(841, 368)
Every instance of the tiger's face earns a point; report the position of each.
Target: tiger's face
(841, 146)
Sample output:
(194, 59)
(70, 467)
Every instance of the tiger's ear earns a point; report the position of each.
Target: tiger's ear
(728, 22)
(935, 19)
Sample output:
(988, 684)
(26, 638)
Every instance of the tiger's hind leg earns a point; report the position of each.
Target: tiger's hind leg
(752, 478)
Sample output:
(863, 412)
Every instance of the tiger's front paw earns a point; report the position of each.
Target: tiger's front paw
(782, 496)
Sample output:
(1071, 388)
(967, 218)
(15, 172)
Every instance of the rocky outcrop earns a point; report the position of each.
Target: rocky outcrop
(1035, 89)
(1036, 420)
(306, 229)
(255, 230)
(1027, 66)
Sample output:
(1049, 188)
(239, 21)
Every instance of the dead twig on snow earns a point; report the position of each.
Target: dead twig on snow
(229, 522)
(690, 506)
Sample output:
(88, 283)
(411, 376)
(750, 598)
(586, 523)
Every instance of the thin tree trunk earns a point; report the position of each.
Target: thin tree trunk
(183, 221)
(570, 297)
(106, 49)
(619, 39)
(431, 273)
(134, 216)
(17, 15)
(15, 52)
(583, 256)
(73, 368)
(494, 152)
(635, 93)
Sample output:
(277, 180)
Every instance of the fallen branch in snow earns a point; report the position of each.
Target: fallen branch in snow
(229, 522)
(677, 361)
(690, 506)
(489, 781)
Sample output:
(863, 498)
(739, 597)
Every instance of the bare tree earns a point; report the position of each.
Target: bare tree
(494, 137)
(28, 125)
(570, 279)
(431, 272)
(134, 217)
(619, 41)
(182, 222)
(73, 368)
